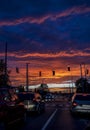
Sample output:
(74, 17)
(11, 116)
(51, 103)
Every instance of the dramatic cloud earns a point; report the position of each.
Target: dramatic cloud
(50, 34)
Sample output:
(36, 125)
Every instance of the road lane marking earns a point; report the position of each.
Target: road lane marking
(49, 120)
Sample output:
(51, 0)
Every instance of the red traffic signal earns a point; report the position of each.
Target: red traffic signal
(87, 71)
(53, 73)
(17, 70)
(40, 73)
(68, 68)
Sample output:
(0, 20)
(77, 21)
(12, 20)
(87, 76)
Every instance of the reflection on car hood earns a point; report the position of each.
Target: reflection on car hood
(28, 102)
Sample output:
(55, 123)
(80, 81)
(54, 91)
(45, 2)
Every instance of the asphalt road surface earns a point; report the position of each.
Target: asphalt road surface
(56, 117)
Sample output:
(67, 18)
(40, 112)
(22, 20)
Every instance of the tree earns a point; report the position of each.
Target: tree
(82, 85)
(4, 78)
(21, 88)
(2, 67)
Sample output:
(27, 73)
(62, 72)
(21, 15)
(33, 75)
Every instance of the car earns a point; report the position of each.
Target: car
(11, 109)
(49, 97)
(80, 103)
(32, 102)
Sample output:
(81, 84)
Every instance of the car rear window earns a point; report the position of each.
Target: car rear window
(83, 97)
(4, 92)
(26, 96)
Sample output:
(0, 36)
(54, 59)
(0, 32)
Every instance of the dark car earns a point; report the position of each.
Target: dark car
(11, 109)
(80, 103)
(32, 102)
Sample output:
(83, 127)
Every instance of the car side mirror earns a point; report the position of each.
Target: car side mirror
(6, 98)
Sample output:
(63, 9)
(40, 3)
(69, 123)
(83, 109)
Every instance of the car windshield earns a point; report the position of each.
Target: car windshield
(26, 96)
(4, 92)
(83, 97)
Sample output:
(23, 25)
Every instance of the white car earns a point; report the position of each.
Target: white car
(80, 103)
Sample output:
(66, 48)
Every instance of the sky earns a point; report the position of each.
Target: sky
(48, 34)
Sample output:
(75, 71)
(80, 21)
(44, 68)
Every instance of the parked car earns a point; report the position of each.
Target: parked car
(11, 110)
(80, 103)
(32, 101)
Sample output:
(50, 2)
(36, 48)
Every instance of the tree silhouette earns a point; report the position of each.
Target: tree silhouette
(82, 85)
(4, 78)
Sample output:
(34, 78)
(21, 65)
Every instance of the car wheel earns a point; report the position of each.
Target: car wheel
(38, 110)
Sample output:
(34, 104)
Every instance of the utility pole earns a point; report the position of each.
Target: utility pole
(70, 87)
(85, 70)
(27, 81)
(6, 63)
(81, 70)
(84, 67)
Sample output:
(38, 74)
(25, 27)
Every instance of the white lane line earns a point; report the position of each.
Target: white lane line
(48, 121)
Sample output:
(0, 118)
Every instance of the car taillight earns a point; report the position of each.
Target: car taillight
(84, 94)
(74, 104)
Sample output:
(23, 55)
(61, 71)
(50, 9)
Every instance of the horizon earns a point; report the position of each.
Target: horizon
(54, 85)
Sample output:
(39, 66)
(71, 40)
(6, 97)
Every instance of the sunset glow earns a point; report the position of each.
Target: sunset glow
(49, 35)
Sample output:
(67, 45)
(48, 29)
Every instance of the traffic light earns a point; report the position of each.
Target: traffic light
(87, 71)
(53, 72)
(17, 70)
(40, 73)
(68, 68)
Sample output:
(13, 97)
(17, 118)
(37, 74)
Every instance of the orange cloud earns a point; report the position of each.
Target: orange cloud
(71, 53)
(46, 66)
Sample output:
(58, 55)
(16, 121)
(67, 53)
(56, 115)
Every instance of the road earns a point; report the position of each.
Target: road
(56, 117)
